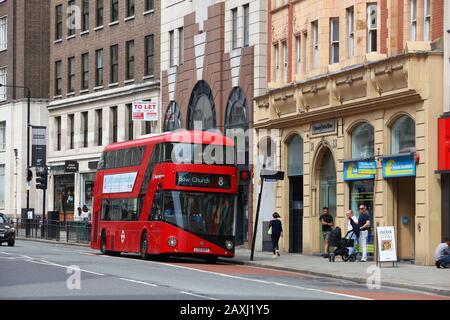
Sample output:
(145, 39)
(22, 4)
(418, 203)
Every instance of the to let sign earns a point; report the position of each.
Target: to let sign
(146, 110)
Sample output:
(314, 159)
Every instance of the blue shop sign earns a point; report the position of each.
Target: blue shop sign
(359, 170)
(399, 166)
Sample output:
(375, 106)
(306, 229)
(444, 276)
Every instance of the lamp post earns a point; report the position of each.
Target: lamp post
(28, 131)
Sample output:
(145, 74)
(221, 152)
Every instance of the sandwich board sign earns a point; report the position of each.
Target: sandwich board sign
(387, 249)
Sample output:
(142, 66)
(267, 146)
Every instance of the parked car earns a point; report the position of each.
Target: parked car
(7, 231)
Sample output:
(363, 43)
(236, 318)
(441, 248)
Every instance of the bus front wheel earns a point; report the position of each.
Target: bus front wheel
(144, 246)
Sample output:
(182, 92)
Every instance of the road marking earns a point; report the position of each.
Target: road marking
(140, 282)
(60, 265)
(198, 295)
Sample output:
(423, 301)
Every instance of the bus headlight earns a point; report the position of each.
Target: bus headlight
(172, 241)
(229, 244)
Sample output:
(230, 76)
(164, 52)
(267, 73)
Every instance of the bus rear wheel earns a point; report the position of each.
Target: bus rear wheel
(144, 246)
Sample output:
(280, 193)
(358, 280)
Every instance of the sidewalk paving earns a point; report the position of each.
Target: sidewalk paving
(406, 275)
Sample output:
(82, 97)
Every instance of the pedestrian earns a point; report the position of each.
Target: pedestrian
(85, 215)
(275, 231)
(77, 216)
(442, 254)
(352, 230)
(326, 220)
(364, 228)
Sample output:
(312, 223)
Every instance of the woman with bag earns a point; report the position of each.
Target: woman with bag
(275, 231)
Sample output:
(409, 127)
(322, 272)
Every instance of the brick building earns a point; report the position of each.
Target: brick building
(213, 56)
(24, 59)
(104, 55)
(355, 91)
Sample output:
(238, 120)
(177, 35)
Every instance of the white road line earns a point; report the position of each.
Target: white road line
(197, 295)
(140, 282)
(66, 267)
(270, 282)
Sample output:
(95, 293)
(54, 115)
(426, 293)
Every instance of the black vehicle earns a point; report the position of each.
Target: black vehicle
(7, 231)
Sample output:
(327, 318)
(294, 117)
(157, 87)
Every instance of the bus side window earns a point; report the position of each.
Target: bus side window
(156, 208)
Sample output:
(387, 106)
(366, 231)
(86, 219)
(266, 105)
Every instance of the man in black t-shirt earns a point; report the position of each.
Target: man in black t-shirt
(326, 220)
(364, 227)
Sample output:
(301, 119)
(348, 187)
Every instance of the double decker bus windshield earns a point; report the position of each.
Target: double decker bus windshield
(188, 153)
(197, 212)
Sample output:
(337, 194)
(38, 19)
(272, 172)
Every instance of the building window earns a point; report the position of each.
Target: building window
(148, 65)
(298, 53)
(148, 127)
(114, 64)
(99, 117)
(114, 123)
(2, 186)
(85, 23)
(84, 123)
(234, 28)
(58, 133)
(180, 46)
(71, 19)
(2, 135)
(114, 10)
(130, 8)
(403, 135)
(246, 25)
(58, 77)
(71, 130)
(85, 71)
(3, 82)
(351, 32)
(99, 13)
(363, 141)
(427, 20)
(171, 53)
(172, 119)
(130, 60)
(277, 61)
(315, 32)
(334, 40)
(201, 110)
(4, 33)
(99, 68)
(413, 20)
(58, 22)
(71, 74)
(372, 26)
(285, 62)
(149, 5)
(130, 121)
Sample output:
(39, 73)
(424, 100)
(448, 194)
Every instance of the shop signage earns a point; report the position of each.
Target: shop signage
(323, 127)
(444, 144)
(146, 110)
(387, 251)
(352, 171)
(201, 180)
(39, 146)
(399, 166)
(118, 183)
(71, 166)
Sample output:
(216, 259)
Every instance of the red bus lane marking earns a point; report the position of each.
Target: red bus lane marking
(380, 295)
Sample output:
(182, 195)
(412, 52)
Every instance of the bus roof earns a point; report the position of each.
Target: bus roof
(200, 137)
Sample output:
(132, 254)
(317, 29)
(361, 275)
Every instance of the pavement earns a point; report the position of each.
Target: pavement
(406, 275)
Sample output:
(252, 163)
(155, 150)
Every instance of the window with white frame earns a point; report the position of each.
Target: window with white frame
(2, 135)
(427, 20)
(334, 40)
(315, 32)
(3, 33)
(285, 61)
(3, 80)
(246, 25)
(351, 32)
(234, 27)
(171, 48)
(413, 20)
(372, 27)
(180, 46)
(277, 61)
(298, 47)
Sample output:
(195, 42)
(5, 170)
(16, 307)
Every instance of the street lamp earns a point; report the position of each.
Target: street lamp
(28, 132)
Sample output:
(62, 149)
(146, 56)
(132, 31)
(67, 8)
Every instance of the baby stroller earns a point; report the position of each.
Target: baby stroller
(342, 245)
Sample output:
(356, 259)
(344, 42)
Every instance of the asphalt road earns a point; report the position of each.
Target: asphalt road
(35, 270)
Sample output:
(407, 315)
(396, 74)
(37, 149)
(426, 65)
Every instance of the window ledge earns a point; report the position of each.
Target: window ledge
(148, 12)
(129, 18)
(57, 97)
(148, 77)
(84, 33)
(128, 81)
(113, 84)
(70, 94)
(98, 28)
(98, 88)
(71, 37)
(114, 23)
(84, 91)
(57, 41)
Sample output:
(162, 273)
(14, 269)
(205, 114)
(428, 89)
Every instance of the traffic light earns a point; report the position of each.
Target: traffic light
(244, 176)
(41, 179)
(29, 175)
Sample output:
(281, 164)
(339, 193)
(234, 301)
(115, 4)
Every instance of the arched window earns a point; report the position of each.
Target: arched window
(363, 141)
(403, 135)
(172, 120)
(201, 107)
(295, 156)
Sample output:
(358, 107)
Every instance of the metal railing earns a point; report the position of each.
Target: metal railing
(69, 231)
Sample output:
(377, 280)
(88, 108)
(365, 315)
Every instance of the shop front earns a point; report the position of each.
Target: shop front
(64, 196)
(444, 170)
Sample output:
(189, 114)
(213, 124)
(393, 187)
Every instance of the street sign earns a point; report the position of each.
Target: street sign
(268, 174)
(39, 146)
(71, 166)
(387, 251)
(146, 110)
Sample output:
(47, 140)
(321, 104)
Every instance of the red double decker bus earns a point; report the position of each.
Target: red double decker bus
(166, 194)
